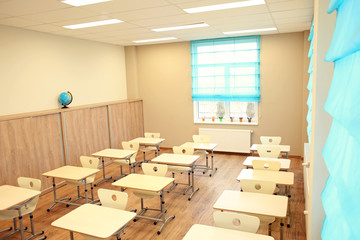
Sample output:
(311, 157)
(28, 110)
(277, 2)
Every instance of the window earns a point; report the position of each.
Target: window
(226, 79)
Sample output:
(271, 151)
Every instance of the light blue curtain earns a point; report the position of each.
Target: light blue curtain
(226, 69)
(309, 86)
(341, 195)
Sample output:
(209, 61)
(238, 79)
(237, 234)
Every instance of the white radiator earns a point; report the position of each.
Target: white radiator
(229, 140)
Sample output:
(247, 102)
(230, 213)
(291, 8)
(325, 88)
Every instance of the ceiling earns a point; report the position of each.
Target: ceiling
(140, 16)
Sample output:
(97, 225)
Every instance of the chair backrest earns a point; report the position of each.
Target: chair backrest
(262, 164)
(154, 169)
(30, 183)
(270, 151)
(152, 135)
(113, 198)
(131, 146)
(201, 138)
(258, 186)
(183, 150)
(270, 140)
(236, 221)
(89, 162)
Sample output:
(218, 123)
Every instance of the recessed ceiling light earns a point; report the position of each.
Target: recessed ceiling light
(197, 25)
(93, 24)
(77, 3)
(225, 6)
(252, 30)
(154, 40)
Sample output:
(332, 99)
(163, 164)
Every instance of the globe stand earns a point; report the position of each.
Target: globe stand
(64, 106)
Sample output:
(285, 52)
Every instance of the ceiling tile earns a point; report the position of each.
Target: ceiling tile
(306, 19)
(169, 21)
(293, 13)
(45, 28)
(290, 5)
(17, 22)
(24, 7)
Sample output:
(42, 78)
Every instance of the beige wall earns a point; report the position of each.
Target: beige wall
(164, 83)
(36, 67)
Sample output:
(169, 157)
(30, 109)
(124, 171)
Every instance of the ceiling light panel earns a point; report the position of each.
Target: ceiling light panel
(154, 40)
(78, 3)
(252, 30)
(93, 24)
(197, 25)
(224, 6)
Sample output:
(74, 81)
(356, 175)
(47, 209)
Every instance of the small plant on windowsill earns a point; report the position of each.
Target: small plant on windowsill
(220, 110)
(250, 111)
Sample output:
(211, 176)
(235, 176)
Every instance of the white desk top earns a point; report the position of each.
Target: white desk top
(199, 231)
(256, 203)
(176, 159)
(114, 153)
(12, 196)
(148, 141)
(94, 220)
(144, 182)
(71, 173)
(283, 148)
(200, 146)
(284, 163)
(282, 178)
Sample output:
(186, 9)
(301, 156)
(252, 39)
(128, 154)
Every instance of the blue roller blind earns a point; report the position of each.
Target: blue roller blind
(310, 83)
(226, 69)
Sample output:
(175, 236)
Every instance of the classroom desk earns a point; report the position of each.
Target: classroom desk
(152, 184)
(93, 220)
(199, 231)
(13, 198)
(206, 147)
(112, 153)
(253, 203)
(181, 160)
(280, 178)
(284, 163)
(71, 173)
(283, 149)
(156, 142)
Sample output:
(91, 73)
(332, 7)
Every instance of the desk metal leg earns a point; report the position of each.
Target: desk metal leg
(71, 235)
(281, 230)
(213, 169)
(56, 201)
(21, 224)
(193, 184)
(289, 209)
(104, 178)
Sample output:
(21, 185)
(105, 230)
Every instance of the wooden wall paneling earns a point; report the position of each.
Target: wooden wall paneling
(29, 147)
(136, 122)
(86, 132)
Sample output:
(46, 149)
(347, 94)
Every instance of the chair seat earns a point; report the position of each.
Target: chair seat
(178, 169)
(74, 183)
(145, 194)
(265, 220)
(123, 162)
(200, 152)
(149, 148)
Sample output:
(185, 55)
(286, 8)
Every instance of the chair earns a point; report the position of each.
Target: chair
(179, 169)
(111, 199)
(236, 221)
(205, 139)
(127, 162)
(30, 183)
(269, 151)
(145, 149)
(86, 162)
(262, 164)
(264, 187)
(154, 170)
(270, 140)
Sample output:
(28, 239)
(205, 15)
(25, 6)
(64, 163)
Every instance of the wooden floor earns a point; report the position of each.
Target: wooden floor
(198, 210)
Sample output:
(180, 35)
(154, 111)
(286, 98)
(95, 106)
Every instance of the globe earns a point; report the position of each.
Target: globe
(65, 98)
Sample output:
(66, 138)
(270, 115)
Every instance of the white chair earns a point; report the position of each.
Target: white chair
(127, 162)
(145, 149)
(112, 199)
(179, 169)
(270, 140)
(269, 151)
(236, 221)
(154, 170)
(86, 162)
(264, 187)
(30, 183)
(205, 139)
(262, 164)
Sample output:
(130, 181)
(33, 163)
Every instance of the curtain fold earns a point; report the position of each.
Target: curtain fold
(310, 83)
(226, 69)
(341, 152)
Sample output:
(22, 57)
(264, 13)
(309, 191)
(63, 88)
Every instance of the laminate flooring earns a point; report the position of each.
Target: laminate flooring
(198, 210)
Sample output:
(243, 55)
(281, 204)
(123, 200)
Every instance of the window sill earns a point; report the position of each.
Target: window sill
(217, 122)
